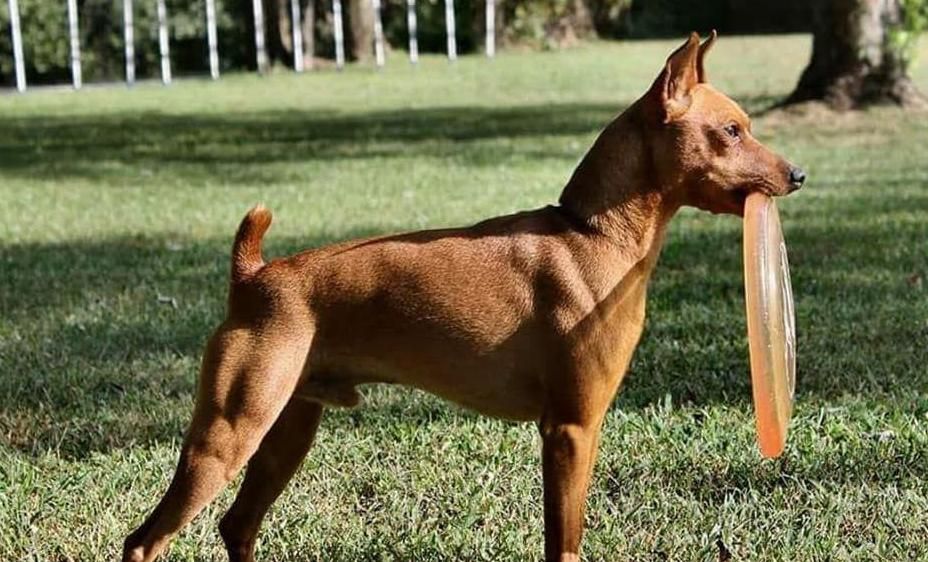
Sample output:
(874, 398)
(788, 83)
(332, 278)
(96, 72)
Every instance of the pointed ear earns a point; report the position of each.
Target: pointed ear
(700, 59)
(679, 77)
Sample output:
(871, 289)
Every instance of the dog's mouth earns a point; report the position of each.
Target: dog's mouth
(736, 199)
(739, 195)
(731, 201)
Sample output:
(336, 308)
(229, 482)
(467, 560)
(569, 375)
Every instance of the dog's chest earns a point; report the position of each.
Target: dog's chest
(602, 335)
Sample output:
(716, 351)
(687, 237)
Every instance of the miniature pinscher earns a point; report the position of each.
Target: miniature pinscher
(532, 316)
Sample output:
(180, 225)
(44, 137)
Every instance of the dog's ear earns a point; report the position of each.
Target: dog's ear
(700, 59)
(672, 88)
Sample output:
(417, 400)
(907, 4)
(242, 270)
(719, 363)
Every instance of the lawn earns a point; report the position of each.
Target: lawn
(117, 209)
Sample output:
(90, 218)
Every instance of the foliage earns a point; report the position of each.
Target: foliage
(527, 20)
(537, 23)
(676, 17)
(430, 20)
(913, 23)
(554, 23)
(610, 15)
(44, 25)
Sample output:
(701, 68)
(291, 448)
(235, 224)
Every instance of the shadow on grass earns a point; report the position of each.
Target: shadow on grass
(103, 338)
(75, 146)
(98, 146)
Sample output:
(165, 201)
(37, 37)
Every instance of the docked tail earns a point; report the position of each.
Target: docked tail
(246, 251)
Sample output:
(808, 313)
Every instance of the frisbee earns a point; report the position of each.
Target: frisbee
(771, 326)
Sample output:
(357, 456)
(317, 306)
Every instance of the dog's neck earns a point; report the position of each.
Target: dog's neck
(616, 192)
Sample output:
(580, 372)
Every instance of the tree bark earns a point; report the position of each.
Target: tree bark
(361, 16)
(284, 30)
(309, 33)
(853, 63)
(281, 32)
(276, 30)
(479, 17)
(571, 25)
(561, 23)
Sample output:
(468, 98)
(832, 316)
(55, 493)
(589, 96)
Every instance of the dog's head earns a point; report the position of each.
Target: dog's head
(701, 140)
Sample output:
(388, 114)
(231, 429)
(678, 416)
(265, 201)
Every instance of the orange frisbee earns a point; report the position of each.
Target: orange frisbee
(771, 326)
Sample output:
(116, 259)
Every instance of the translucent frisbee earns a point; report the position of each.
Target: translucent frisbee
(771, 327)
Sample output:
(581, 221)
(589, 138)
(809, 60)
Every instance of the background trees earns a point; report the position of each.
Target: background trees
(862, 48)
(861, 53)
(535, 23)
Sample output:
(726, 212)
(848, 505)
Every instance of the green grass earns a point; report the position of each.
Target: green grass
(115, 204)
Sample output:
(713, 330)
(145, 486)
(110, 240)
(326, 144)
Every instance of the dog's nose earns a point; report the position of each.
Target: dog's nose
(796, 177)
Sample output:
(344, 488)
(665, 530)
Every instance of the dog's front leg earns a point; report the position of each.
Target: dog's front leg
(568, 453)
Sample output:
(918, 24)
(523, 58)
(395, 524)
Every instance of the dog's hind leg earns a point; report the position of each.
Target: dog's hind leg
(246, 380)
(268, 473)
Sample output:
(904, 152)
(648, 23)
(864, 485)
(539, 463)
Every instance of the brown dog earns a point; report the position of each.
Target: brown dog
(532, 316)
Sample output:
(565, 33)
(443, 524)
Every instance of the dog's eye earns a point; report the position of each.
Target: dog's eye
(733, 130)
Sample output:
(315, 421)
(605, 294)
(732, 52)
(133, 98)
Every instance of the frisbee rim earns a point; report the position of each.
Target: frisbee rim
(773, 389)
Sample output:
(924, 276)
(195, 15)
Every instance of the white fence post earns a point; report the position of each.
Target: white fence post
(260, 52)
(491, 28)
(17, 46)
(339, 34)
(128, 35)
(211, 39)
(412, 25)
(450, 30)
(163, 43)
(297, 30)
(378, 35)
(75, 36)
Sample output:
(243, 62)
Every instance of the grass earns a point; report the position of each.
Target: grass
(117, 213)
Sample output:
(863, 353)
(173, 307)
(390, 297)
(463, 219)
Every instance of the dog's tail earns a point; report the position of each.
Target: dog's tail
(246, 251)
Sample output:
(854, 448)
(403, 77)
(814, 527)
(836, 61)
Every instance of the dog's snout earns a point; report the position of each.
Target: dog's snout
(796, 177)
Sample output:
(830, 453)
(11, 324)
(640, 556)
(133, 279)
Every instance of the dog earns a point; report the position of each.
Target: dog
(532, 316)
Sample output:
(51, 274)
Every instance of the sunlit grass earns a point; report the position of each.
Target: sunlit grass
(116, 214)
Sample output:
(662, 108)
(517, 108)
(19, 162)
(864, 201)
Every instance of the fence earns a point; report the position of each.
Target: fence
(260, 48)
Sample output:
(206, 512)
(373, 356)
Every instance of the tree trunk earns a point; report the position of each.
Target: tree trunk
(853, 62)
(562, 23)
(479, 16)
(284, 30)
(309, 32)
(361, 16)
(575, 22)
(276, 34)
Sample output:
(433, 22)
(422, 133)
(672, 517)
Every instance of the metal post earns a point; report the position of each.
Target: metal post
(339, 34)
(491, 28)
(211, 39)
(260, 52)
(450, 30)
(17, 46)
(163, 44)
(74, 33)
(412, 24)
(378, 34)
(129, 40)
(297, 28)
